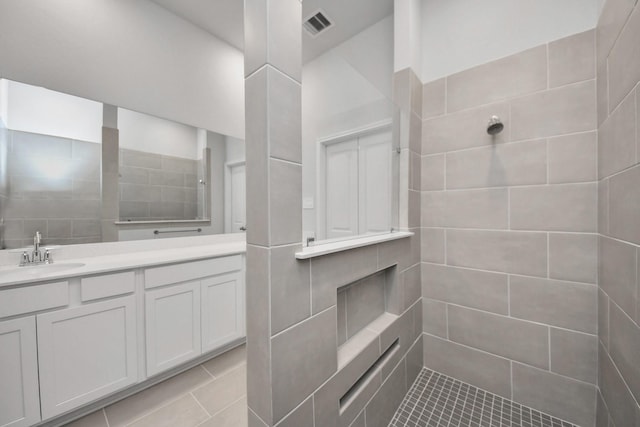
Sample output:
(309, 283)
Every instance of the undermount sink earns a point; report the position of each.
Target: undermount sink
(15, 274)
(38, 270)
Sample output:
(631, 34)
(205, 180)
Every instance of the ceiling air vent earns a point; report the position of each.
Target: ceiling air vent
(317, 23)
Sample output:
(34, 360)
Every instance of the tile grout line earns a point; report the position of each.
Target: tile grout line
(106, 419)
(201, 407)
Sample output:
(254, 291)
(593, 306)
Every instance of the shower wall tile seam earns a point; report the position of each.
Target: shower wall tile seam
(506, 359)
(502, 272)
(560, 328)
(507, 99)
(510, 141)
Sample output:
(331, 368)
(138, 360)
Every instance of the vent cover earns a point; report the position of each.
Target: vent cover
(317, 23)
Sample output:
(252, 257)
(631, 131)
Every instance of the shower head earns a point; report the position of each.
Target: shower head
(494, 126)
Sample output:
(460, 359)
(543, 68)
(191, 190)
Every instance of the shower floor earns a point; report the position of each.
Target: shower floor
(436, 400)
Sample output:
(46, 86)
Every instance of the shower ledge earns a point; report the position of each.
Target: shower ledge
(343, 245)
(357, 343)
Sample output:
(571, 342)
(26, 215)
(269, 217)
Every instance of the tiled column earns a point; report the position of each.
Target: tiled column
(110, 208)
(289, 352)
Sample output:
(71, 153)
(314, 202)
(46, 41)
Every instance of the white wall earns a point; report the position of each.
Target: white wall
(38, 110)
(344, 89)
(133, 54)
(235, 149)
(460, 34)
(143, 132)
(4, 102)
(408, 35)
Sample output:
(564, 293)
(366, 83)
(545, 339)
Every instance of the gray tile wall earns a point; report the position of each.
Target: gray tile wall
(54, 188)
(509, 227)
(157, 187)
(292, 306)
(618, 65)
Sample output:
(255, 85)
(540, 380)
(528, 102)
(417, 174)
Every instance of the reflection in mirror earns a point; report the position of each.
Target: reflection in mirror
(166, 59)
(163, 169)
(79, 171)
(50, 143)
(350, 161)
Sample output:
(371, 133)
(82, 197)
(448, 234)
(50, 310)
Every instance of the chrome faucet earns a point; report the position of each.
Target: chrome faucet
(37, 257)
(36, 246)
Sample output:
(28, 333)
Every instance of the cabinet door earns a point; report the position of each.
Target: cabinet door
(19, 400)
(85, 353)
(172, 326)
(222, 310)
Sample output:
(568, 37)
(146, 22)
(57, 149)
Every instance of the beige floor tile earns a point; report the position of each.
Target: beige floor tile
(95, 419)
(223, 391)
(134, 407)
(232, 416)
(184, 412)
(227, 361)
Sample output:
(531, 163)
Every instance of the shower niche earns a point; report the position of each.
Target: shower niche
(362, 302)
(370, 338)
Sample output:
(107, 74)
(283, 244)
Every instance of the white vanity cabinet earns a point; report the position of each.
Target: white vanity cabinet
(74, 340)
(85, 353)
(19, 398)
(192, 308)
(223, 314)
(172, 320)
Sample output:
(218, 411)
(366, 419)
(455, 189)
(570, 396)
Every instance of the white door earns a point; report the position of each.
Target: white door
(19, 399)
(222, 310)
(341, 189)
(238, 198)
(86, 353)
(374, 169)
(172, 326)
(235, 198)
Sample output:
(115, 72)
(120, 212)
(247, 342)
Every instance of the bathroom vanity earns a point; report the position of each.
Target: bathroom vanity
(83, 328)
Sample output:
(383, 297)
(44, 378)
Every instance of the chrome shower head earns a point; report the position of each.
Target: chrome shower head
(494, 126)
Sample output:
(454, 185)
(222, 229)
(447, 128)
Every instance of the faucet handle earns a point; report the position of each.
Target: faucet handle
(24, 259)
(47, 257)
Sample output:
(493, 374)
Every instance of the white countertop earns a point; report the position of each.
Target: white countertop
(11, 276)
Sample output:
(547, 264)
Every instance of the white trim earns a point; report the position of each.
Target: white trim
(355, 132)
(343, 245)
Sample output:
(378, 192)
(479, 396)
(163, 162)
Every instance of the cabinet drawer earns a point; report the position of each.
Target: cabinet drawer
(160, 276)
(33, 298)
(107, 285)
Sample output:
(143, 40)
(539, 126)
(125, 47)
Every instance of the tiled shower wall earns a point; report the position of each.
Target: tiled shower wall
(509, 243)
(54, 188)
(618, 65)
(157, 187)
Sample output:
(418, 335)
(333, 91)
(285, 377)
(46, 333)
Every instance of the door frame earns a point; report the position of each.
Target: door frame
(321, 169)
(227, 192)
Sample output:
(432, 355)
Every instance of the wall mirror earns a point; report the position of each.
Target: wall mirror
(129, 128)
(350, 156)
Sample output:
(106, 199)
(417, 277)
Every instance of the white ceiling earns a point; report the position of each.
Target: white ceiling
(224, 19)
